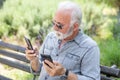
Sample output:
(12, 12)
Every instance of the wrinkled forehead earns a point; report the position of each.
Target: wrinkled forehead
(63, 16)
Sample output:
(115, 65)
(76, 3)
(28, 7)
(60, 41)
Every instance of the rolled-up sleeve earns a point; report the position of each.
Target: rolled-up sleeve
(90, 65)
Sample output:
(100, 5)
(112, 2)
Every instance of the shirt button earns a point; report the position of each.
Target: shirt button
(46, 77)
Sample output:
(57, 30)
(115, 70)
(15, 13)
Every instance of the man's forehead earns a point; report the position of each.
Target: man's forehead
(62, 15)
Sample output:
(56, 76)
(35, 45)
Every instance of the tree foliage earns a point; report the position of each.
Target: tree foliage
(27, 17)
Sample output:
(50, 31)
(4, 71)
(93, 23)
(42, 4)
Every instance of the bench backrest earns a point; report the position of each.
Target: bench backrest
(17, 52)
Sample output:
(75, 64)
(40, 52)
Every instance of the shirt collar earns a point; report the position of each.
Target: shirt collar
(78, 38)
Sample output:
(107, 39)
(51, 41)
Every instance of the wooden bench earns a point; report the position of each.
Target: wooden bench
(20, 62)
(109, 73)
(16, 53)
(4, 78)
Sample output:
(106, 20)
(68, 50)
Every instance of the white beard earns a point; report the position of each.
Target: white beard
(62, 36)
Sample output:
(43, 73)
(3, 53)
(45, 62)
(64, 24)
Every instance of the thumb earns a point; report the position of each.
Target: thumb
(35, 48)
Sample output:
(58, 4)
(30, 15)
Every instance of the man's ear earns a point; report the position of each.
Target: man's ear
(76, 26)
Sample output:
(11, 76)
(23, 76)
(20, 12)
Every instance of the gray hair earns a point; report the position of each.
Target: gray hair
(76, 15)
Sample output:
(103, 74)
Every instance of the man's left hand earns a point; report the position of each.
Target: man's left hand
(54, 69)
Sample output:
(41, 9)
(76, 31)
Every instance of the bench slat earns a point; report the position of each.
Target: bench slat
(105, 78)
(13, 47)
(14, 55)
(15, 64)
(110, 71)
(4, 78)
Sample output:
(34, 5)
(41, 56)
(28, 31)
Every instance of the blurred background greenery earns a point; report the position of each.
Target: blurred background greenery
(101, 21)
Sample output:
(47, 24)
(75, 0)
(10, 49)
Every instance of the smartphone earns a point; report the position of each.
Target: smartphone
(46, 57)
(29, 45)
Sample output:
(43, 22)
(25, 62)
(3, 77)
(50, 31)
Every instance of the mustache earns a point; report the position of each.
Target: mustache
(57, 32)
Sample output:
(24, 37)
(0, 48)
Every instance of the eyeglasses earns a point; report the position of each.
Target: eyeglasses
(59, 25)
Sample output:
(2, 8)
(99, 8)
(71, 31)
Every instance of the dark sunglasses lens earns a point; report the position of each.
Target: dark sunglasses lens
(58, 25)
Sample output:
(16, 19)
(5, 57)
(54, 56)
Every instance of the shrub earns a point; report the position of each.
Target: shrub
(25, 14)
(110, 53)
(96, 21)
(37, 14)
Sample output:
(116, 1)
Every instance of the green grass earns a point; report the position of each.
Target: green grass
(16, 74)
(110, 52)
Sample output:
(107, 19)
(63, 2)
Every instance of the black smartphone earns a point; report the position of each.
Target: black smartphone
(46, 57)
(29, 45)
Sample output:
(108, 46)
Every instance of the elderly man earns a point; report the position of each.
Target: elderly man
(75, 55)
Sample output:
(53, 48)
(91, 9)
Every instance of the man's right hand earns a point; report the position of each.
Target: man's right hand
(31, 54)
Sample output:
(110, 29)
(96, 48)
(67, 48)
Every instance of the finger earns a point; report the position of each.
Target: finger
(26, 46)
(31, 55)
(35, 48)
(50, 64)
(29, 51)
(48, 69)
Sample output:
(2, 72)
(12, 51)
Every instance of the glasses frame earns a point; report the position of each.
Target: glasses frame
(59, 25)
